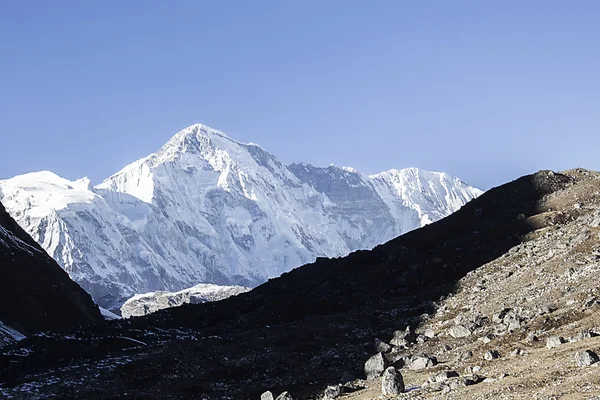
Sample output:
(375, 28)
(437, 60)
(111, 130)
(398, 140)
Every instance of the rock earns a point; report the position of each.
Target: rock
(531, 337)
(585, 358)
(429, 333)
(404, 338)
(267, 396)
(516, 352)
(595, 223)
(375, 366)
(285, 396)
(459, 331)
(590, 302)
(392, 382)
(491, 355)
(513, 323)
(381, 346)
(472, 370)
(442, 376)
(433, 387)
(421, 362)
(465, 355)
(583, 335)
(333, 392)
(499, 317)
(487, 338)
(554, 341)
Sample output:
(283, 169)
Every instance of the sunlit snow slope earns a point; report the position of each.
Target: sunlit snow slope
(208, 209)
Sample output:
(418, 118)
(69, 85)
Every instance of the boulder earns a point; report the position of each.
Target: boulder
(268, 395)
(392, 382)
(381, 346)
(459, 331)
(554, 341)
(586, 358)
(442, 376)
(333, 392)
(285, 396)
(419, 363)
(375, 366)
(404, 338)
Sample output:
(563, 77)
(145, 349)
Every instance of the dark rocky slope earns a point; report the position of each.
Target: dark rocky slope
(35, 293)
(312, 327)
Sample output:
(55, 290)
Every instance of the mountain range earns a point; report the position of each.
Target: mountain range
(208, 209)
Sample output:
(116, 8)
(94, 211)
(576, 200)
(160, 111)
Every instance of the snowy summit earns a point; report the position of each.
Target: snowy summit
(208, 209)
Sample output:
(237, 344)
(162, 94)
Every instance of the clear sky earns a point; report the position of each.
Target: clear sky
(485, 90)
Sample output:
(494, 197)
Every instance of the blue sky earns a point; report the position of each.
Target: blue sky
(487, 91)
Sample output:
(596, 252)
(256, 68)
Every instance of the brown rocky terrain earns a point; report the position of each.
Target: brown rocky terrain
(489, 292)
(542, 293)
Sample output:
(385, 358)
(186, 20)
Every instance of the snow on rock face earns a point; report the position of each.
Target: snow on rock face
(206, 208)
(9, 335)
(142, 304)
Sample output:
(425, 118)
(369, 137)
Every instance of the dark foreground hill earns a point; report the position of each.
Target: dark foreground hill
(481, 272)
(35, 293)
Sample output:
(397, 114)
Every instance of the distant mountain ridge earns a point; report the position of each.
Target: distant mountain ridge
(208, 209)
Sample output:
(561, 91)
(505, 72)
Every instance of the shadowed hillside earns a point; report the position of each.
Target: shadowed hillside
(35, 293)
(312, 327)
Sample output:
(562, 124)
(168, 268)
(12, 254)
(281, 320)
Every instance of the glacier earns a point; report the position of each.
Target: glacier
(206, 208)
(146, 303)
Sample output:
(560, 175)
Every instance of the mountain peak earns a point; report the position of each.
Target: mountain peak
(206, 208)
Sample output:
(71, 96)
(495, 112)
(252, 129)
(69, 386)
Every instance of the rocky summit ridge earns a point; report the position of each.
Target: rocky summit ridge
(208, 209)
(498, 300)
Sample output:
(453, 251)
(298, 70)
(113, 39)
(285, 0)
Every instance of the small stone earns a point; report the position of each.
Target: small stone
(554, 341)
(465, 355)
(491, 355)
(502, 375)
(375, 366)
(422, 362)
(583, 335)
(268, 395)
(499, 317)
(442, 376)
(516, 352)
(585, 358)
(476, 369)
(381, 346)
(590, 302)
(433, 387)
(333, 392)
(392, 382)
(404, 338)
(487, 338)
(429, 333)
(531, 337)
(459, 331)
(285, 396)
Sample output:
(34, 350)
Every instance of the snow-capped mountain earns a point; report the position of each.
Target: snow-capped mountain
(146, 303)
(208, 209)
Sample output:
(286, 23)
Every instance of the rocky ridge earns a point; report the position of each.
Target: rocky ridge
(35, 293)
